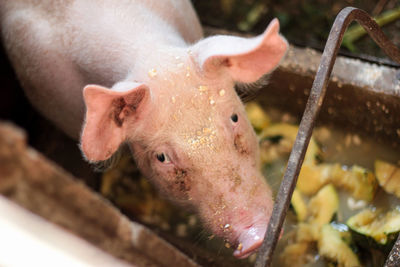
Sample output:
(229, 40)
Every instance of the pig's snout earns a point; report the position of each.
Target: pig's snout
(250, 240)
(242, 217)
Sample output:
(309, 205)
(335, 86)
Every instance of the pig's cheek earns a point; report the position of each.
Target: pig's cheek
(179, 184)
(241, 145)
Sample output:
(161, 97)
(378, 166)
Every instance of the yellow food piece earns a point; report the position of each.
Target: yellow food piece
(332, 246)
(312, 178)
(299, 206)
(376, 224)
(358, 181)
(257, 116)
(307, 232)
(288, 133)
(294, 254)
(388, 176)
(323, 206)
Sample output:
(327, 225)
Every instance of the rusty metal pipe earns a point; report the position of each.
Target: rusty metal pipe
(314, 103)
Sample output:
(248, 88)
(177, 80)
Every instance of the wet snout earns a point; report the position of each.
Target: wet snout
(245, 215)
(250, 240)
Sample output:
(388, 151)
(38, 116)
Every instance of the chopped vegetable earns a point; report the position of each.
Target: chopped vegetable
(299, 206)
(360, 182)
(295, 254)
(374, 228)
(257, 116)
(307, 232)
(333, 245)
(324, 205)
(312, 178)
(388, 176)
(280, 138)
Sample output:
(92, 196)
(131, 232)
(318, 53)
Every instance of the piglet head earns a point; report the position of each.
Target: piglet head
(189, 133)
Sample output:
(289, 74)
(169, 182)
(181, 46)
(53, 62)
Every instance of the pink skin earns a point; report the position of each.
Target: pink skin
(172, 102)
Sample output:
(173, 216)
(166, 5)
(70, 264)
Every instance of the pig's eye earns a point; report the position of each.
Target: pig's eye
(162, 157)
(234, 118)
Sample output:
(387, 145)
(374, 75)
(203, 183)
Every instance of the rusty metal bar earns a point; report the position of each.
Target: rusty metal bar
(393, 259)
(314, 103)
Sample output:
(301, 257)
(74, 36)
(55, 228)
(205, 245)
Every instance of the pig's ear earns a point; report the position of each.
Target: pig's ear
(246, 59)
(107, 114)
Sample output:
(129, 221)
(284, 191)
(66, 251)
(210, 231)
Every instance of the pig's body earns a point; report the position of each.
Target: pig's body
(58, 47)
(173, 103)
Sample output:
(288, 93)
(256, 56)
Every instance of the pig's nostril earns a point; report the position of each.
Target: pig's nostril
(249, 241)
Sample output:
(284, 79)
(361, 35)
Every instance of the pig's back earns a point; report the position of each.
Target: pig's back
(30, 38)
(59, 46)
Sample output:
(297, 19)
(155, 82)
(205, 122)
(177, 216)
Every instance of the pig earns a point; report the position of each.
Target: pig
(139, 74)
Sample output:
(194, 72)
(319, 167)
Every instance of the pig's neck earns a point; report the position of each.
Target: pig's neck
(126, 45)
(133, 61)
(155, 54)
(161, 66)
